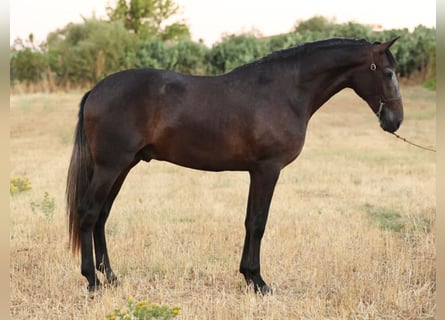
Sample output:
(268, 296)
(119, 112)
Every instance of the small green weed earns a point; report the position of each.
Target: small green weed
(47, 206)
(388, 219)
(18, 185)
(141, 310)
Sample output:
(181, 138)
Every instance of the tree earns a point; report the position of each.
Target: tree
(27, 65)
(27, 62)
(85, 52)
(148, 18)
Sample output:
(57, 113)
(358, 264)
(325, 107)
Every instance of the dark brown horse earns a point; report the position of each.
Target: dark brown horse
(253, 119)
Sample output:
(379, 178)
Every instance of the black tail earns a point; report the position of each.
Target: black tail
(79, 176)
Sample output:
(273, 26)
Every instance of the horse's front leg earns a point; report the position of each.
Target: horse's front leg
(262, 185)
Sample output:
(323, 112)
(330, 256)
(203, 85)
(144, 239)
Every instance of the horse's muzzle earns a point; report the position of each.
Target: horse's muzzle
(391, 118)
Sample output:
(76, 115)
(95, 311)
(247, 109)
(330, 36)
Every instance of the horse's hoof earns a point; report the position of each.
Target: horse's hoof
(263, 290)
(114, 282)
(260, 289)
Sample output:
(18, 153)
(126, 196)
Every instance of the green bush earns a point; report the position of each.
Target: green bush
(81, 54)
(187, 56)
(27, 65)
(233, 51)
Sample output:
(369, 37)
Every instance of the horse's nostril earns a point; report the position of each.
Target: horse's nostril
(396, 126)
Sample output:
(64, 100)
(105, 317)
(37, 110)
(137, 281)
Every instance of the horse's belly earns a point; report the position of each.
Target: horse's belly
(202, 156)
(235, 154)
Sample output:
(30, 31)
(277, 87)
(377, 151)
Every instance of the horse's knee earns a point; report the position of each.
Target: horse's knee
(258, 231)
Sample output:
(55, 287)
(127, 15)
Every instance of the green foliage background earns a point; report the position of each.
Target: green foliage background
(81, 54)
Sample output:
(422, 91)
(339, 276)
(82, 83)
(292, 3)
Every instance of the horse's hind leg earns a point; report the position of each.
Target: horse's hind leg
(89, 212)
(100, 244)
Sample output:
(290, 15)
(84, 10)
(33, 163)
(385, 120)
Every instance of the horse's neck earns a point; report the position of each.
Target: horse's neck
(326, 87)
(320, 84)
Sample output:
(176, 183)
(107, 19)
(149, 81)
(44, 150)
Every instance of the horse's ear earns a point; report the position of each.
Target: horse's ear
(382, 47)
(391, 42)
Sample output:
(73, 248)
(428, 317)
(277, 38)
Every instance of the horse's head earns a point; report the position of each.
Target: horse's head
(377, 84)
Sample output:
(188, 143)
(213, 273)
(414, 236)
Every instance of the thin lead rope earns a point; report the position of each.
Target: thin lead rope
(411, 143)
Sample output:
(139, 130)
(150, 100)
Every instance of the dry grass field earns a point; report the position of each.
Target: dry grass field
(350, 233)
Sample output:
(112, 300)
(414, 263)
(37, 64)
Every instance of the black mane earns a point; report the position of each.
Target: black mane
(305, 48)
(311, 46)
